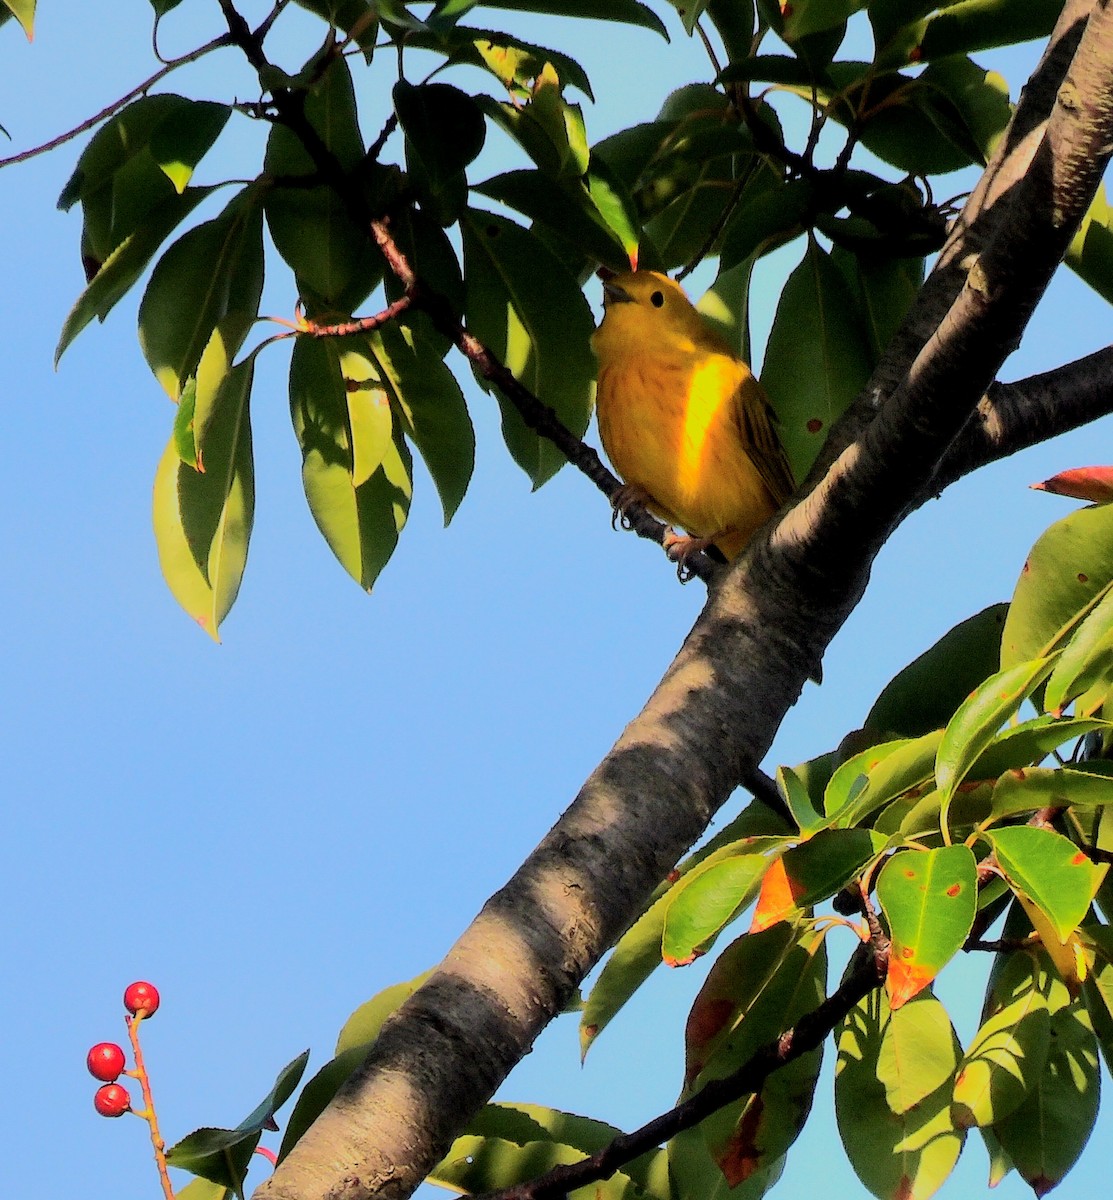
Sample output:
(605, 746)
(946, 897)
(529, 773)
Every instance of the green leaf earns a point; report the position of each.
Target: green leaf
(930, 899)
(1050, 870)
(736, 25)
(1037, 787)
(816, 360)
(759, 987)
(1006, 1058)
(202, 1189)
(883, 290)
(959, 28)
(123, 138)
(570, 208)
(806, 17)
(1045, 1135)
(852, 776)
(827, 862)
(1067, 568)
(726, 305)
(222, 1155)
(893, 1083)
(432, 406)
(629, 12)
(526, 1123)
(795, 791)
(347, 15)
(1090, 255)
(445, 131)
(24, 13)
(694, 1173)
(488, 1164)
(925, 695)
(637, 954)
(904, 770)
(1029, 743)
(335, 262)
(203, 520)
(707, 900)
(515, 63)
(525, 308)
(938, 121)
(183, 137)
(1086, 659)
(978, 718)
(359, 518)
(116, 275)
(209, 273)
(363, 1026)
(1097, 986)
(317, 1094)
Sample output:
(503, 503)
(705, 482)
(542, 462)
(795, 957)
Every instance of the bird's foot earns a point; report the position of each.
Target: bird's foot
(680, 547)
(628, 494)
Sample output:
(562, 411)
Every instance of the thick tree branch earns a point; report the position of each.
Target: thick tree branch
(715, 713)
(1014, 416)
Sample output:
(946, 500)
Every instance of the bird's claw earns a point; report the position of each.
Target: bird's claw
(627, 495)
(680, 548)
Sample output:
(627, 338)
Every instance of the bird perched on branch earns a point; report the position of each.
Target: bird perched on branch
(683, 420)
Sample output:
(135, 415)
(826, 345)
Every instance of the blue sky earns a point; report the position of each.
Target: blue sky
(273, 829)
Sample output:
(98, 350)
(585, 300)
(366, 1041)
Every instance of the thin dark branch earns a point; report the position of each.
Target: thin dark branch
(223, 40)
(866, 974)
(998, 945)
(762, 787)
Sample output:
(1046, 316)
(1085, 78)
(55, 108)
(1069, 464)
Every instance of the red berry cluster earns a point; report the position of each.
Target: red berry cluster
(106, 1060)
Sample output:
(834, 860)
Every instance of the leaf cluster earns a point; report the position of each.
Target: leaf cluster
(712, 176)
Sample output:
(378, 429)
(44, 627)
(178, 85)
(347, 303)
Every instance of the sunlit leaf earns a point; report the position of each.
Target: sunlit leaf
(526, 309)
(183, 137)
(970, 731)
(930, 899)
(209, 274)
(126, 263)
(203, 520)
(1070, 564)
(893, 1084)
(360, 521)
(1046, 1133)
(1006, 1058)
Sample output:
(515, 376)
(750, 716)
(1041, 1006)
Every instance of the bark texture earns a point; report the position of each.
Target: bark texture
(764, 629)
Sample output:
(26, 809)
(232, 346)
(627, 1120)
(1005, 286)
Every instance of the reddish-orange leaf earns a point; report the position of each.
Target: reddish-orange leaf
(1083, 483)
(777, 899)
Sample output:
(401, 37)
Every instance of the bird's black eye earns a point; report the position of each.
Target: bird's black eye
(657, 299)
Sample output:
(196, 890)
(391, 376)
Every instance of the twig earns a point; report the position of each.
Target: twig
(359, 325)
(149, 1115)
(223, 40)
(867, 973)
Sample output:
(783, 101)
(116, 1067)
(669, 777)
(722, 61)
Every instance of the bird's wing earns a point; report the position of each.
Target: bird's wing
(759, 435)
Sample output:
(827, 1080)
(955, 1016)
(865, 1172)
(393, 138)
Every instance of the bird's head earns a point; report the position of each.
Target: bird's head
(645, 311)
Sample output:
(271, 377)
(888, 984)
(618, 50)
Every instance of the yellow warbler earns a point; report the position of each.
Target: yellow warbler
(682, 418)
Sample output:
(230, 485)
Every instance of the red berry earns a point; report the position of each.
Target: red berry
(141, 997)
(112, 1100)
(105, 1061)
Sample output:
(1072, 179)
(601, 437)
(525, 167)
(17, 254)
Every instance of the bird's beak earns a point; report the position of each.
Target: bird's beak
(613, 294)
